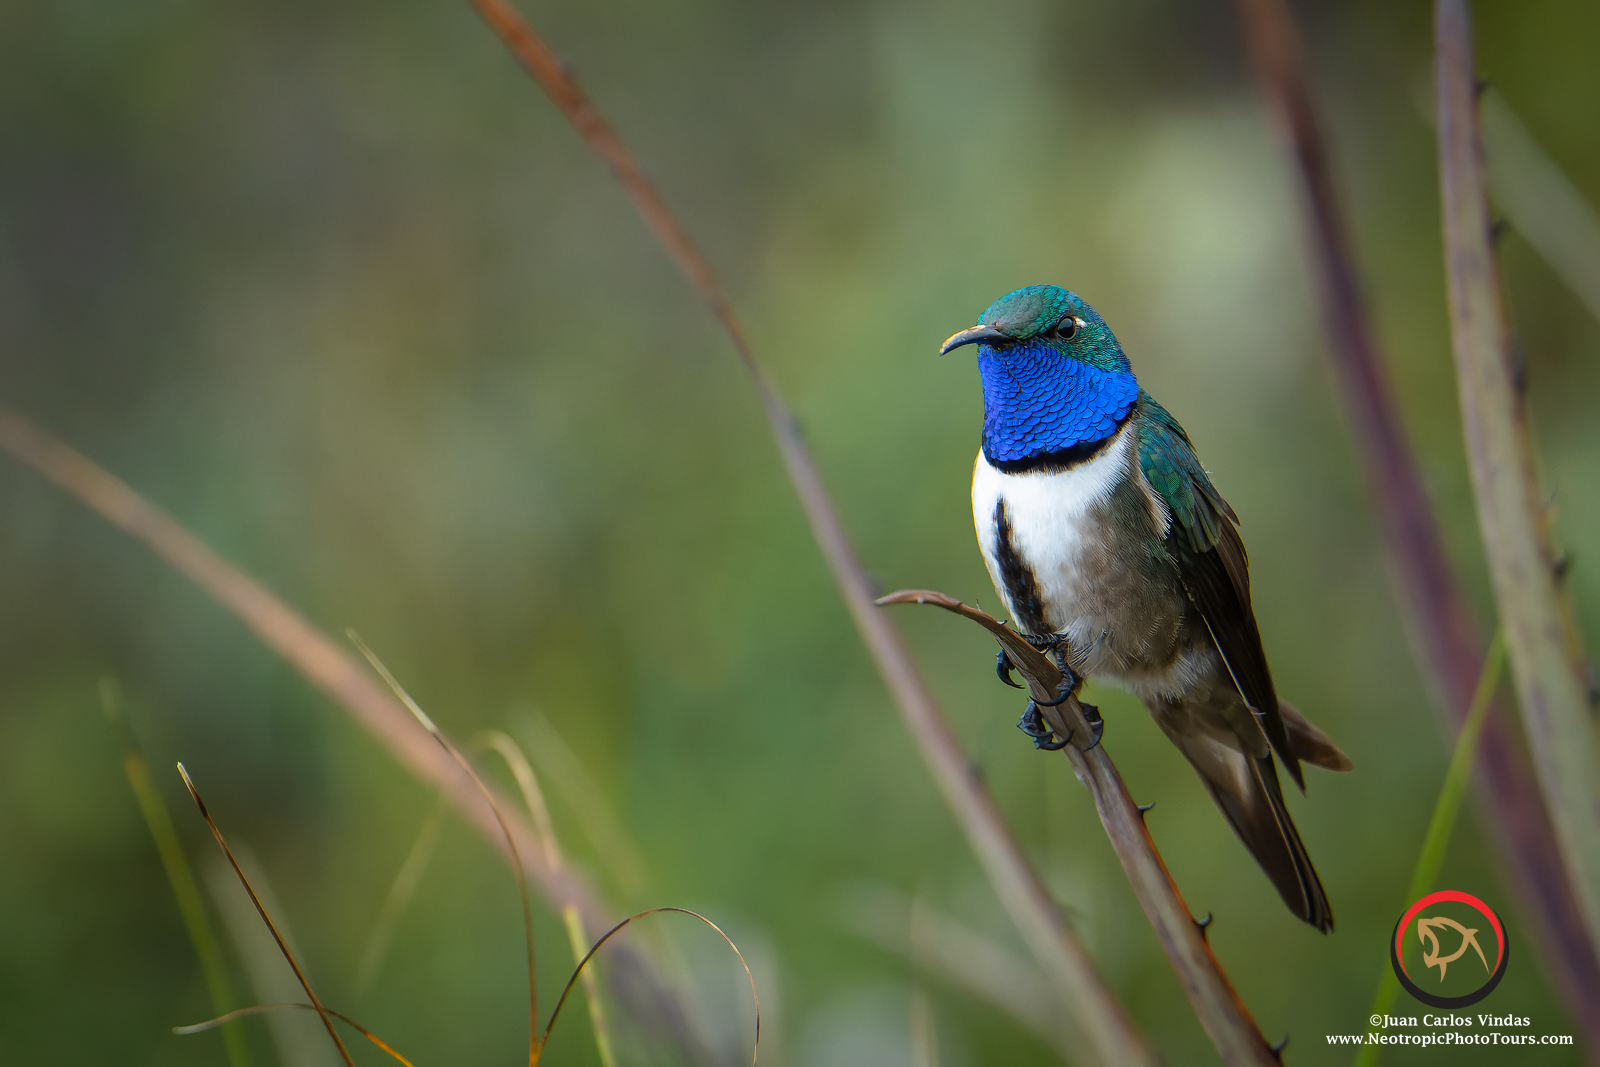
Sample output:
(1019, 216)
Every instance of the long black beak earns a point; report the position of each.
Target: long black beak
(978, 335)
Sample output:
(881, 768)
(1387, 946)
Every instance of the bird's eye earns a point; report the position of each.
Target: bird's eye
(1065, 330)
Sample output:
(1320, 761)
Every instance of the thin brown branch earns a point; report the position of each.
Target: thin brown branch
(1449, 645)
(1547, 660)
(327, 666)
(1212, 996)
(1110, 1031)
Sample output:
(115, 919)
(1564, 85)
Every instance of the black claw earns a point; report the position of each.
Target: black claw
(1002, 667)
(1277, 1050)
(1204, 924)
(1058, 701)
(1145, 807)
(1033, 724)
(1097, 725)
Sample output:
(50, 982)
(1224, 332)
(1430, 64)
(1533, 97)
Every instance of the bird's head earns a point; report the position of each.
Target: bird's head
(1054, 376)
(1044, 318)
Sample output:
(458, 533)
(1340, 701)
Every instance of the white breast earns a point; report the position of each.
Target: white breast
(1050, 515)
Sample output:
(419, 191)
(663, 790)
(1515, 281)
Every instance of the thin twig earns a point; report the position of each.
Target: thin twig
(1547, 661)
(260, 1009)
(180, 875)
(328, 667)
(1212, 996)
(272, 927)
(1111, 1032)
(1447, 641)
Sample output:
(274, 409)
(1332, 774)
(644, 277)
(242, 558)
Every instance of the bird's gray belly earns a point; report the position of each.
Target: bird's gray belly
(1104, 579)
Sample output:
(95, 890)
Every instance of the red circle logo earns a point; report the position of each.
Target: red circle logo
(1458, 950)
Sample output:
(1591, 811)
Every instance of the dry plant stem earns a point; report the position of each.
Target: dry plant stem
(583, 964)
(518, 870)
(1109, 1029)
(1448, 643)
(180, 875)
(300, 976)
(1212, 996)
(577, 937)
(1547, 662)
(331, 669)
(259, 1009)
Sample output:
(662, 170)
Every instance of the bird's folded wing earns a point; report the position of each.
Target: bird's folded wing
(1211, 561)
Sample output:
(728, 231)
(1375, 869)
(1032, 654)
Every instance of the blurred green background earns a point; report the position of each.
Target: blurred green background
(336, 286)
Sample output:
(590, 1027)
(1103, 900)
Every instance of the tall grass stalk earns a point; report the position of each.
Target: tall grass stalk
(1446, 639)
(1554, 690)
(395, 902)
(331, 669)
(180, 876)
(1445, 810)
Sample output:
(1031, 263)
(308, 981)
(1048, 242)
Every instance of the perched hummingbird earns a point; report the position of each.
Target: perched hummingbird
(1112, 550)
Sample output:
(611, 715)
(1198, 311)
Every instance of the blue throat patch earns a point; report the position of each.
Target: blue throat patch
(1037, 401)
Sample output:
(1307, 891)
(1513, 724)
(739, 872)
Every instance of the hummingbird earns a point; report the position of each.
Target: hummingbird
(1115, 554)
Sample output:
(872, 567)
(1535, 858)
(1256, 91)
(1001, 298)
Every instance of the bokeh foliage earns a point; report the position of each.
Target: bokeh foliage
(334, 285)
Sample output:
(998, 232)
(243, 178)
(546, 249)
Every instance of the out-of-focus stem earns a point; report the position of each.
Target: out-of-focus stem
(327, 666)
(1541, 202)
(1111, 1033)
(1547, 664)
(1447, 640)
(180, 876)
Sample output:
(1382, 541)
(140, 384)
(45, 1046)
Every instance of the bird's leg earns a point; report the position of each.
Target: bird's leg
(1032, 722)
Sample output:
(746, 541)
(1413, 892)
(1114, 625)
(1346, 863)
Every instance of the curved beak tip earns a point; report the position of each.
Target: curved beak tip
(976, 335)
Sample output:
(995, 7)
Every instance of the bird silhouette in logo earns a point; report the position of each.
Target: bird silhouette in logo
(1427, 934)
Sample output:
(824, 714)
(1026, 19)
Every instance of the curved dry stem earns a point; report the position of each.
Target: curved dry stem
(754, 995)
(528, 785)
(1211, 995)
(260, 909)
(259, 1009)
(1111, 1034)
(336, 673)
(539, 812)
(511, 842)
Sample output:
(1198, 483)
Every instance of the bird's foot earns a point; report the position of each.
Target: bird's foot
(1032, 723)
(1053, 645)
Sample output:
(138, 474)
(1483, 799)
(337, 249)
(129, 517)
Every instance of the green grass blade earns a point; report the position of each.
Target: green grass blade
(1431, 859)
(398, 899)
(185, 890)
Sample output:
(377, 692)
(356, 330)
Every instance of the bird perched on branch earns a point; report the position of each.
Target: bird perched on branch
(1114, 553)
